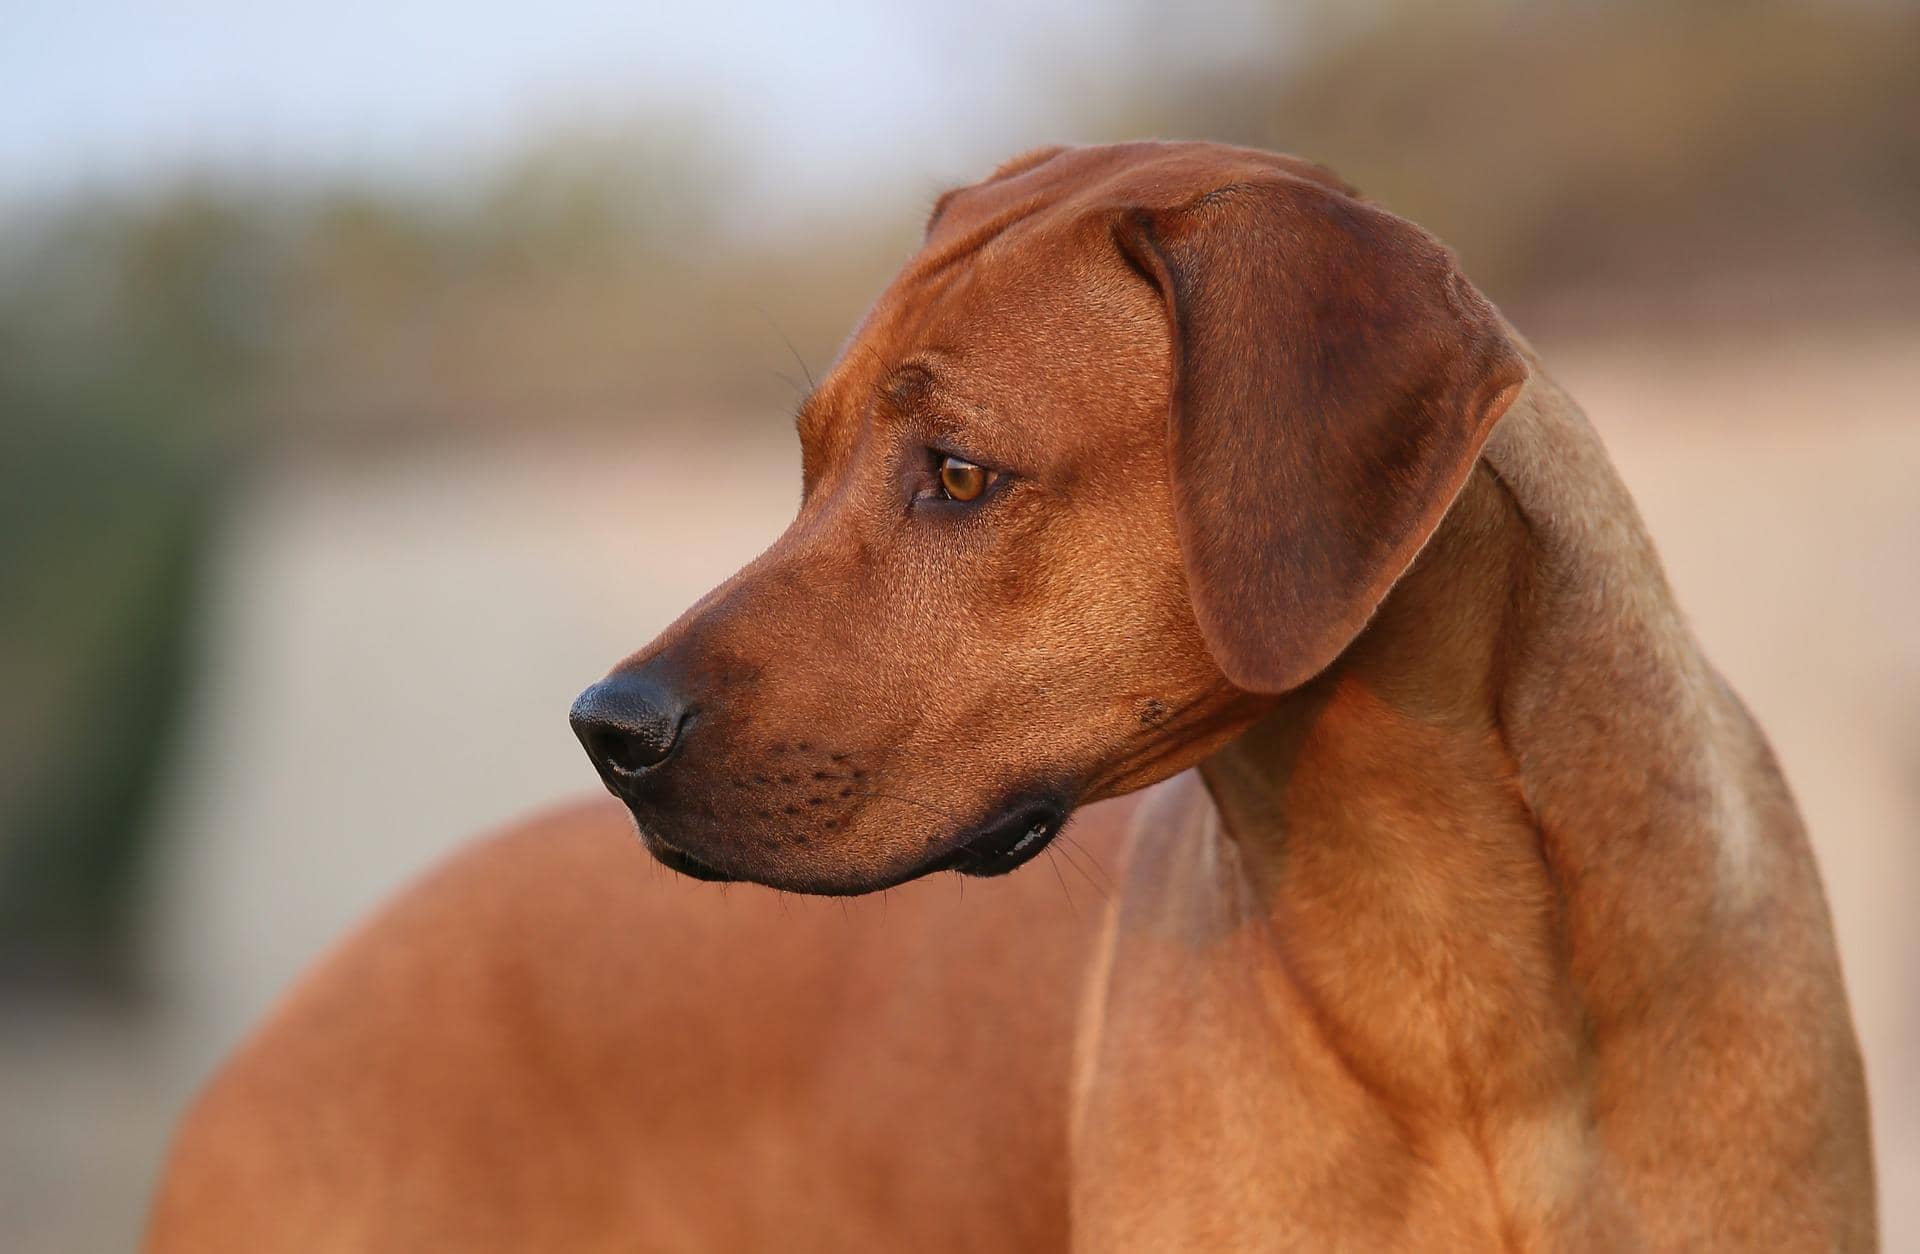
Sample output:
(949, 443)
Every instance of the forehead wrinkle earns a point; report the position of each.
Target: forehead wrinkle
(915, 308)
(932, 262)
(948, 407)
(1006, 171)
(904, 385)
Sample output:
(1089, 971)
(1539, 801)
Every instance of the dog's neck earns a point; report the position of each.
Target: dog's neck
(1493, 827)
(1377, 820)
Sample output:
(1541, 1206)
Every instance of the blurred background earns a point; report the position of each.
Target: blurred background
(372, 377)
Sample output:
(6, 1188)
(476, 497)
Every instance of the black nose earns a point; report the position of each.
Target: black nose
(629, 725)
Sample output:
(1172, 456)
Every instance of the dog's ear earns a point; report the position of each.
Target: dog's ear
(1334, 377)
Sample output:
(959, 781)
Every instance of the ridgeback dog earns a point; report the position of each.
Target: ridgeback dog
(1485, 922)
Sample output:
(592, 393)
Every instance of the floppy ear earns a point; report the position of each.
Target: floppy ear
(1334, 377)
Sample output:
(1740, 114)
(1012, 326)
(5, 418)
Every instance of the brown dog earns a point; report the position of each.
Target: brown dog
(1487, 921)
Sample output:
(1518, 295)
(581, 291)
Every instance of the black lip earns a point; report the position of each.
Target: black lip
(1017, 834)
(1010, 841)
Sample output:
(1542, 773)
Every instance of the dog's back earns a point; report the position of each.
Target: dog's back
(553, 1043)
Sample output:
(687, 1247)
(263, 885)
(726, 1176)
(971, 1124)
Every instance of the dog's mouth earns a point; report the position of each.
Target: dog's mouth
(997, 846)
(675, 859)
(1007, 843)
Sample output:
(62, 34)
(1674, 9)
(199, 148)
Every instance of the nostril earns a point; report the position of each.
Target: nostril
(627, 724)
(625, 753)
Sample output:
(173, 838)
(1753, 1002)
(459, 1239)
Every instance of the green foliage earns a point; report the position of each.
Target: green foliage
(123, 339)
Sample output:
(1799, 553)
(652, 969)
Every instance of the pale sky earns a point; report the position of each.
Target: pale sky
(120, 91)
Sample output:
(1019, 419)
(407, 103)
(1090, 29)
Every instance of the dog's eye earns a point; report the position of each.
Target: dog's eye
(962, 480)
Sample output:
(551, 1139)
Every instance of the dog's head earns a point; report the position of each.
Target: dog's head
(1140, 438)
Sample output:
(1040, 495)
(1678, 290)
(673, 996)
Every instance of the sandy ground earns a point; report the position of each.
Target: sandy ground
(396, 646)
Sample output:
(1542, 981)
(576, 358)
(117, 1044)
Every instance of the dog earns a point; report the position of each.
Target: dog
(1472, 912)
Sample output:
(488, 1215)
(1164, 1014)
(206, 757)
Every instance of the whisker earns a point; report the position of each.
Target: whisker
(797, 358)
(1054, 862)
(790, 381)
(874, 354)
(909, 801)
(1104, 884)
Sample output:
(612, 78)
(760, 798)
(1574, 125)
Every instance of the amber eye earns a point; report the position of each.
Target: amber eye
(962, 480)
